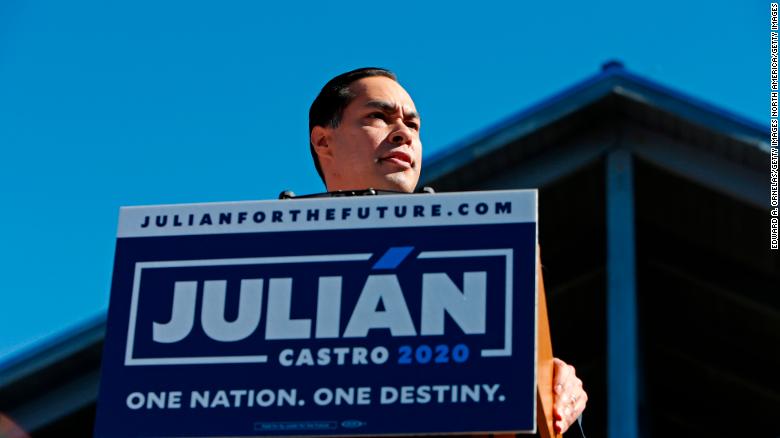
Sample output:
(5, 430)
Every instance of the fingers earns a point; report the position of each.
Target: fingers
(569, 398)
(561, 372)
(561, 426)
(579, 406)
(570, 414)
(566, 411)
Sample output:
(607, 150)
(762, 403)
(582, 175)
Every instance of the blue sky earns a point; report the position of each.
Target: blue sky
(104, 104)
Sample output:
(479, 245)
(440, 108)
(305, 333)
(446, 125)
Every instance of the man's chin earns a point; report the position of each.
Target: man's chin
(397, 182)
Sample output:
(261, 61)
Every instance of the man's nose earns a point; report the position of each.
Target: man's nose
(402, 135)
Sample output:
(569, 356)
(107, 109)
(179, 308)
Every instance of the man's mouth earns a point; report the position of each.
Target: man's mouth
(398, 158)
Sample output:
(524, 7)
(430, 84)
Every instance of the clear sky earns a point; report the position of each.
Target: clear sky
(104, 104)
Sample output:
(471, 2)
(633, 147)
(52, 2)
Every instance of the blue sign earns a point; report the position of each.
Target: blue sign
(398, 314)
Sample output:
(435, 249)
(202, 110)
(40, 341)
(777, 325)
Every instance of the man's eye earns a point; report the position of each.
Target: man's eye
(413, 125)
(380, 116)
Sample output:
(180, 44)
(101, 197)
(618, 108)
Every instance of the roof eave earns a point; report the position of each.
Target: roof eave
(613, 81)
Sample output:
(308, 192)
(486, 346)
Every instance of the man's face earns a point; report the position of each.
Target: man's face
(377, 144)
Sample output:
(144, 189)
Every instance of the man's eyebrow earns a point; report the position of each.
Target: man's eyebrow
(389, 107)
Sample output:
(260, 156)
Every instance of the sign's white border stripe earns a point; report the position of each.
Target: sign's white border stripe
(200, 360)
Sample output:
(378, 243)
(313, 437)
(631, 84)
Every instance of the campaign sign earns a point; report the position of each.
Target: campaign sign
(392, 314)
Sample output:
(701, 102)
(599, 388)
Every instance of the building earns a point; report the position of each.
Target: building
(654, 230)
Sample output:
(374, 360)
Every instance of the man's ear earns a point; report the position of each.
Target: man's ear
(320, 139)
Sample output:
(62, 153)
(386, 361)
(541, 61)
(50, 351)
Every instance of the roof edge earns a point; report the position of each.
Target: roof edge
(52, 350)
(613, 79)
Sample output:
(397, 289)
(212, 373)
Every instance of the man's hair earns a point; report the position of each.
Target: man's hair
(335, 96)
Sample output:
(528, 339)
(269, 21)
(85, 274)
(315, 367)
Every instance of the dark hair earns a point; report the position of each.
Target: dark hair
(335, 96)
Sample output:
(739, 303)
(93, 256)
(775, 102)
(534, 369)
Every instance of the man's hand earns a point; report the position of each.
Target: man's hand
(569, 399)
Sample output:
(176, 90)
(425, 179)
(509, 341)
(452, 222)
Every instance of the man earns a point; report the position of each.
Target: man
(365, 133)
